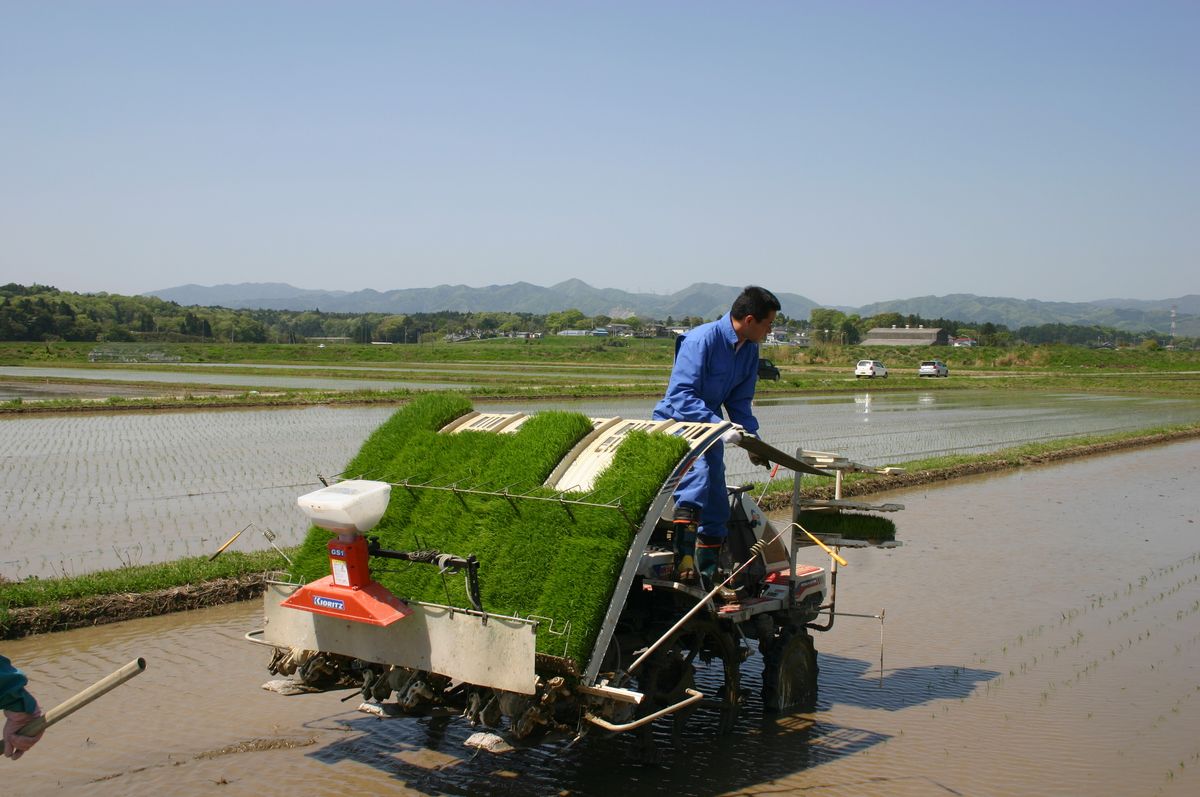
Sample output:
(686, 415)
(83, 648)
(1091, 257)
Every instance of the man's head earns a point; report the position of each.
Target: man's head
(753, 313)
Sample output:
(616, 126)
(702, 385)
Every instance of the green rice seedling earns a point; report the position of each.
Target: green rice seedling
(536, 557)
(580, 584)
(427, 413)
(851, 525)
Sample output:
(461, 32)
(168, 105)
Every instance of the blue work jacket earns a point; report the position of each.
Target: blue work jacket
(709, 374)
(13, 696)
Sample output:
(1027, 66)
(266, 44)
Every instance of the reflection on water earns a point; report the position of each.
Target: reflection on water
(1042, 635)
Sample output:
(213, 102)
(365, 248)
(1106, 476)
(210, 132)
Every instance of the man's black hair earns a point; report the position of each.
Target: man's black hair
(755, 301)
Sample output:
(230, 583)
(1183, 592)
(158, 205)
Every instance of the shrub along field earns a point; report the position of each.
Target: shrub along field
(535, 558)
(552, 348)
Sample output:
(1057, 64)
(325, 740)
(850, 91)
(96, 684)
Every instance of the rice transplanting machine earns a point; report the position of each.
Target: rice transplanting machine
(347, 628)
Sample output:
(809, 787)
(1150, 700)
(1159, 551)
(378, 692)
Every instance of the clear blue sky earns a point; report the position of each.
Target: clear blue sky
(847, 151)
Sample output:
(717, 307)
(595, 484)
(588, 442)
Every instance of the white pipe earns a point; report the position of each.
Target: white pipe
(692, 697)
(78, 701)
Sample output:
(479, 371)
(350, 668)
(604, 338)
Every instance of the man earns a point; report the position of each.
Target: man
(716, 365)
(19, 708)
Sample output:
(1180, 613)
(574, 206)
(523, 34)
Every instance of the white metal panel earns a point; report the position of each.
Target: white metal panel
(498, 652)
(490, 422)
(598, 454)
(699, 436)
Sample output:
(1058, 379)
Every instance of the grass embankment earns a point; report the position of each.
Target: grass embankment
(54, 604)
(57, 604)
(306, 398)
(805, 383)
(615, 352)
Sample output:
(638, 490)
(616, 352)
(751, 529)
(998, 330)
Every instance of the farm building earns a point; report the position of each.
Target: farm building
(906, 336)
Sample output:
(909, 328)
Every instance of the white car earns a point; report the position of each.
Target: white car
(933, 368)
(870, 369)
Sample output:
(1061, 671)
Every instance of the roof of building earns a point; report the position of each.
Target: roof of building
(903, 336)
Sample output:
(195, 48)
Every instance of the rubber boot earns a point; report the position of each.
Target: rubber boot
(686, 520)
(708, 554)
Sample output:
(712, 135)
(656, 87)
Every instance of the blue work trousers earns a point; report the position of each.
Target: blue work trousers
(703, 486)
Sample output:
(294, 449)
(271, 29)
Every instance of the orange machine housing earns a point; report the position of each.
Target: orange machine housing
(349, 592)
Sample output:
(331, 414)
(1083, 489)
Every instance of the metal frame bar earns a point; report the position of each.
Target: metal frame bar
(629, 570)
(692, 697)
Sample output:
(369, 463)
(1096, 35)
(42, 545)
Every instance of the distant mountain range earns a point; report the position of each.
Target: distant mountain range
(1134, 315)
(705, 300)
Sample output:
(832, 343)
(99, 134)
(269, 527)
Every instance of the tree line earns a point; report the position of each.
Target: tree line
(44, 313)
(834, 326)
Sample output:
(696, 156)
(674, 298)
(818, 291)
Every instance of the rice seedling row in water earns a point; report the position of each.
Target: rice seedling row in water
(1099, 634)
(1114, 670)
(97, 492)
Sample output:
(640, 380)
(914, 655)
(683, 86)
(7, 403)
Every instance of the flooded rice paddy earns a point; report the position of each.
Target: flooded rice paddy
(200, 377)
(882, 428)
(48, 390)
(610, 372)
(94, 491)
(179, 378)
(1041, 636)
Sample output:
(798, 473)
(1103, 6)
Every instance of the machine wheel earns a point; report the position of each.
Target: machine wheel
(790, 673)
(671, 670)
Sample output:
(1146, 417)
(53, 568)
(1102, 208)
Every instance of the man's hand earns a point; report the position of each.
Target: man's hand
(757, 459)
(15, 744)
(733, 436)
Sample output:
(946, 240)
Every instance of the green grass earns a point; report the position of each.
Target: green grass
(558, 367)
(551, 348)
(536, 559)
(1053, 357)
(623, 352)
(138, 578)
(1185, 385)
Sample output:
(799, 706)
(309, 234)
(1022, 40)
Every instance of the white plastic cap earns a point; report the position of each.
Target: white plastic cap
(353, 505)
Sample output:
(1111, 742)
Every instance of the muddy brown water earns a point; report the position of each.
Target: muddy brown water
(1041, 636)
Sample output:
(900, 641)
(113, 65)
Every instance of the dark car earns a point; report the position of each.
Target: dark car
(767, 369)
